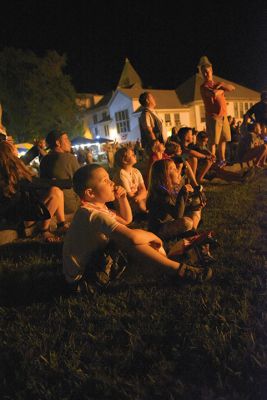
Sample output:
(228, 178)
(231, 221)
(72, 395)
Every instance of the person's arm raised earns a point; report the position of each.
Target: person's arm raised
(124, 215)
(225, 86)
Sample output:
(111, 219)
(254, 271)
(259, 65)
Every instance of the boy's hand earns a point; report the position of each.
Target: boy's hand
(120, 193)
(188, 188)
(156, 244)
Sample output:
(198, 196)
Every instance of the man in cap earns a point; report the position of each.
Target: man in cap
(259, 111)
(59, 163)
(217, 124)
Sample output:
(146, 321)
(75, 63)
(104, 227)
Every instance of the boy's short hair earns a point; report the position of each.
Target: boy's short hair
(251, 127)
(171, 148)
(52, 137)
(183, 131)
(202, 135)
(142, 98)
(82, 177)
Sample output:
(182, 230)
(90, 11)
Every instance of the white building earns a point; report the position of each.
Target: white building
(115, 115)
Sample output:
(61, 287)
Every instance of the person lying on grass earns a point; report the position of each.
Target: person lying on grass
(94, 226)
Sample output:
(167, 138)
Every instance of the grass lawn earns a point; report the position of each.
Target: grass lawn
(151, 337)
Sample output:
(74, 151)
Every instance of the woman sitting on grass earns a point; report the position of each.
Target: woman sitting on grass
(16, 178)
(130, 179)
(169, 215)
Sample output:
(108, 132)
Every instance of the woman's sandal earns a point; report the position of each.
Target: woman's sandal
(30, 230)
(62, 228)
(49, 237)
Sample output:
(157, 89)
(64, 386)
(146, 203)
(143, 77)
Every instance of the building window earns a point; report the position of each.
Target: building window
(95, 118)
(241, 110)
(177, 120)
(106, 129)
(122, 121)
(96, 131)
(250, 105)
(236, 110)
(168, 119)
(246, 107)
(202, 114)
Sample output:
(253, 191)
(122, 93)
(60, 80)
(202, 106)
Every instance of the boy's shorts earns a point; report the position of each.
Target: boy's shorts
(218, 130)
(106, 265)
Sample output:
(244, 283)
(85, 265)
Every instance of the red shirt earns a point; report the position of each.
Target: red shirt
(215, 106)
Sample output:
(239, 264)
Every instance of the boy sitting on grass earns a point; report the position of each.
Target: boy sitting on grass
(94, 226)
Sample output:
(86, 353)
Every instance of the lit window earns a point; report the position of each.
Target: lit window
(122, 121)
(241, 110)
(202, 114)
(106, 129)
(236, 110)
(177, 120)
(167, 119)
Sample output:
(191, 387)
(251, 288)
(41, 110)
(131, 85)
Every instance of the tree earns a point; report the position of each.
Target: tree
(36, 95)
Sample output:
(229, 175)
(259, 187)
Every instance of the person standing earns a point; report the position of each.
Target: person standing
(259, 111)
(151, 125)
(213, 95)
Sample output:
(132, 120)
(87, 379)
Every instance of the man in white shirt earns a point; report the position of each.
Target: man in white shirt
(151, 124)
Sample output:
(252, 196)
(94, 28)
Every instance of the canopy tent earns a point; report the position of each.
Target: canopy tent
(80, 140)
(102, 140)
(23, 147)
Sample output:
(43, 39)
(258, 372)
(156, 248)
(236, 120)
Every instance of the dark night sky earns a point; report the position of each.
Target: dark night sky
(163, 41)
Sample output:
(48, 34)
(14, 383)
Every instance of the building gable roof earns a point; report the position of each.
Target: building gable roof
(129, 76)
(165, 99)
(189, 91)
(104, 101)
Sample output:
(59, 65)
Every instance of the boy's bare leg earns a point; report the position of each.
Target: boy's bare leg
(146, 255)
(54, 201)
(193, 161)
(204, 170)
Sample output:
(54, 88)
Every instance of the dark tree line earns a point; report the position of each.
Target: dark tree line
(36, 95)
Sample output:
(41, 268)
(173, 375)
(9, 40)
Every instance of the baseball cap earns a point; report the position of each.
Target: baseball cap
(204, 61)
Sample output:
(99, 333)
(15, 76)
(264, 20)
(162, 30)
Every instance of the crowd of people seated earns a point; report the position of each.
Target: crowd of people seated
(168, 194)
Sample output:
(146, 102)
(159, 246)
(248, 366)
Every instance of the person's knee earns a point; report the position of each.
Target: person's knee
(56, 192)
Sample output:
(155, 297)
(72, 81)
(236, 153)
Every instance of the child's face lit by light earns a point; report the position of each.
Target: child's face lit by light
(174, 173)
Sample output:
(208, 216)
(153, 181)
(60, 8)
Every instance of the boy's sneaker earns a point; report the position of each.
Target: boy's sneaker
(195, 273)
